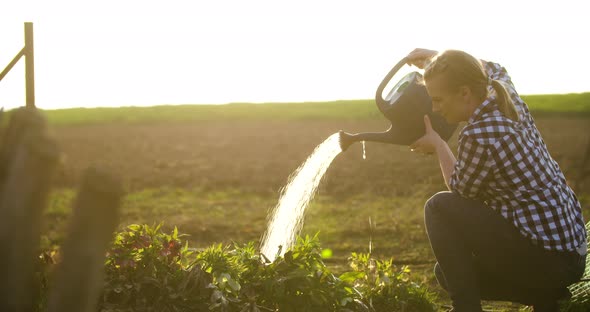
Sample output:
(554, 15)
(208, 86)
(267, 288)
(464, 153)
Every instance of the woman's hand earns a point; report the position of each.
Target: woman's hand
(429, 142)
(420, 57)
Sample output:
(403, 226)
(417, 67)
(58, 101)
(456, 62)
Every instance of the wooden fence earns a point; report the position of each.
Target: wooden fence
(29, 156)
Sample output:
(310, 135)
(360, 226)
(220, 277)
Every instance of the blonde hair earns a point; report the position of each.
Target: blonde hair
(461, 69)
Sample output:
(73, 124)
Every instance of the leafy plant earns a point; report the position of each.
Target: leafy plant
(148, 270)
(386, 288)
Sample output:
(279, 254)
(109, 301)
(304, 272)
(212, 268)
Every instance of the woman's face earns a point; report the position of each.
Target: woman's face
(453, 106)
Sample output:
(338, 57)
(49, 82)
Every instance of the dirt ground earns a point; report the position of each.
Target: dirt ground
(256, 156)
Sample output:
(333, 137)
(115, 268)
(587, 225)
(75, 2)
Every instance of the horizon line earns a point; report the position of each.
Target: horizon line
(260, 103)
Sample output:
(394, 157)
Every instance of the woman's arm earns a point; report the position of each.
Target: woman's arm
(446, 160)
(420, 57)
(430, 143)
(498, 72)
(465, 176)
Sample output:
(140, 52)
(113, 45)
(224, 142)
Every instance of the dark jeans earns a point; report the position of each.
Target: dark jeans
(482, 256)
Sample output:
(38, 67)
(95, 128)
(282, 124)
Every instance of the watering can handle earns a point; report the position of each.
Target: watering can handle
(392, 72)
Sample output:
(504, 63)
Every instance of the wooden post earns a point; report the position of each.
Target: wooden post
(29, 53)
(24, 193)
(30, 64)
(12, 63)
(22, 120)
(79, 277)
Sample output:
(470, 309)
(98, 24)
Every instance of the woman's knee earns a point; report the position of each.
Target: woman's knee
(437, 201)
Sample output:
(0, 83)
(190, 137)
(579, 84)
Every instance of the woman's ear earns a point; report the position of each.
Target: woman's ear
(465, 93)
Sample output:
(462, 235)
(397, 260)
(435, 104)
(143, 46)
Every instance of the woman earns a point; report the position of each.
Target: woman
(509, 228)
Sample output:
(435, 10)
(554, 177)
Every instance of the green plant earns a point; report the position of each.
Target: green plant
(300, 281)
(386, 288)
(148, 270)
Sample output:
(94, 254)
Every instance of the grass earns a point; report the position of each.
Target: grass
(395, 230)
(574, 104)
(361, 109)
(342, 223)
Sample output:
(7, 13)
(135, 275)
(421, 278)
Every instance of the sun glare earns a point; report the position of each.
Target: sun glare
(208, 52)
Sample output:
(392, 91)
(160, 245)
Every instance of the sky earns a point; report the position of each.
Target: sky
(143, 53)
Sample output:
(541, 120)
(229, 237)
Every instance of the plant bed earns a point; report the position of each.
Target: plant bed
(148, 270)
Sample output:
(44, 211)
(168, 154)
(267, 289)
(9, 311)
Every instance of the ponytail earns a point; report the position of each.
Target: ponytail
(505, 103)
(461, 69)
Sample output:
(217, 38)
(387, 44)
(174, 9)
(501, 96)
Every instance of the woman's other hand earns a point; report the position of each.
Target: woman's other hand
(428, 143)
(420, 57)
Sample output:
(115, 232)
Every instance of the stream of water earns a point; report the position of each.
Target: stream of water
(286, 218)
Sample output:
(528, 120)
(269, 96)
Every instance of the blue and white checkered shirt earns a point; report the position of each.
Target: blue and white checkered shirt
(507, 165)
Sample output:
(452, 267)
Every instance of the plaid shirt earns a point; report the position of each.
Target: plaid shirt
(507, 165)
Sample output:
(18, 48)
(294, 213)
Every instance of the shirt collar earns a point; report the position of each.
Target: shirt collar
(488, 105)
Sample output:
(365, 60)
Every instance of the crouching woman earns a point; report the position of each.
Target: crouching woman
(509, 228)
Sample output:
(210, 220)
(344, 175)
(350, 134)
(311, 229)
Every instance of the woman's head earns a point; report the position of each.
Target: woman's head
(457, 83)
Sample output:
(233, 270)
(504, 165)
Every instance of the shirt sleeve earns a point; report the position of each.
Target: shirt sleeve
(498, 72)
(471, 169)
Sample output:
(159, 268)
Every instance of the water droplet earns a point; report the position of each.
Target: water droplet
(364, 150)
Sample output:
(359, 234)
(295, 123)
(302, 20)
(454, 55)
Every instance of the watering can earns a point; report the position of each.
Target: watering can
(405, 106)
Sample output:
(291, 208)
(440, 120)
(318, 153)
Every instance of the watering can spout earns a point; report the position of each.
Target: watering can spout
(347, 139)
